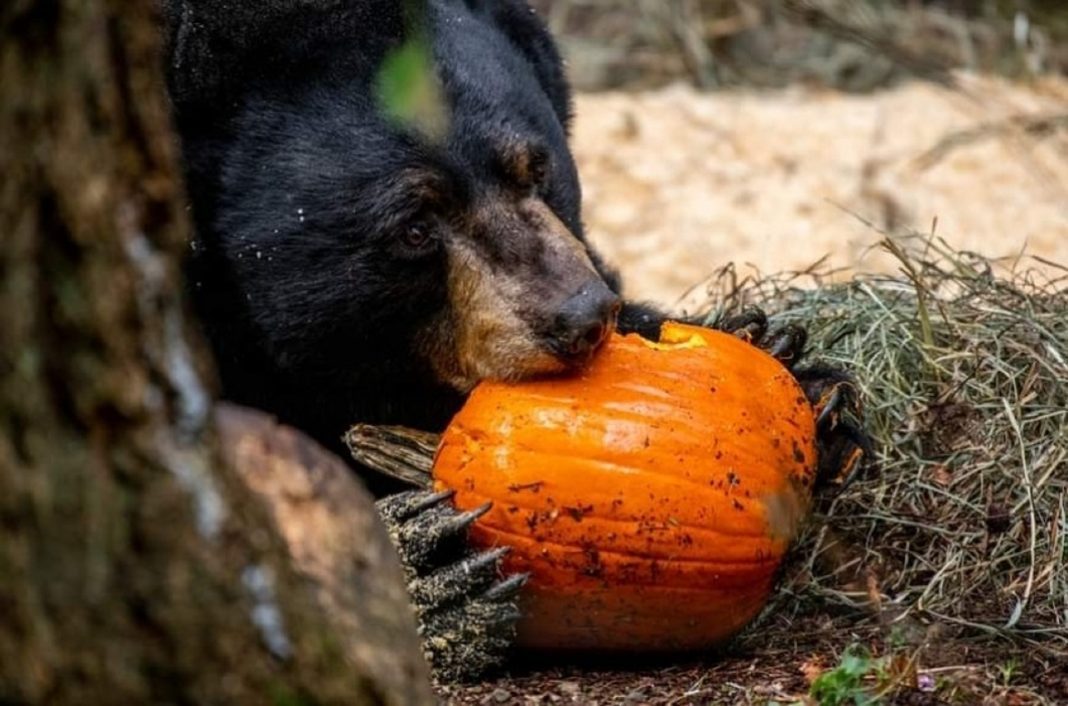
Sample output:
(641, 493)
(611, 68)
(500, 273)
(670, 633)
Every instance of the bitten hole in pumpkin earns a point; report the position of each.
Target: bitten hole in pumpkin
(674, 337)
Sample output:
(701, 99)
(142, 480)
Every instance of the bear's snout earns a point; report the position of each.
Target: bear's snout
(583, 322)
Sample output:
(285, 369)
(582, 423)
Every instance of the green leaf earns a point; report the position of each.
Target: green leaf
(845, 683)
(409, 90)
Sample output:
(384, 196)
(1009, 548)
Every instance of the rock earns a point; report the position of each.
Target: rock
(329, 524)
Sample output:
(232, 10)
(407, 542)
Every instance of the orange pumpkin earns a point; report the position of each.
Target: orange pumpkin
(650, 498)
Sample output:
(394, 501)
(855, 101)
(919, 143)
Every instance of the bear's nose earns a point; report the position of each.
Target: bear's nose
(584, 321)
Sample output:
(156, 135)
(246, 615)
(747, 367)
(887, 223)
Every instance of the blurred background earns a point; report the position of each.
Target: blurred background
(777, 134)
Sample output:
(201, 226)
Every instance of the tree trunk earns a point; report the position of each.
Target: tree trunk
(135, 564)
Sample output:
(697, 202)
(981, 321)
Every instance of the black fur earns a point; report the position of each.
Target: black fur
(301, 189)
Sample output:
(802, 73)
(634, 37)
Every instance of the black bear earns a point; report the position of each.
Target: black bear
(353, 262)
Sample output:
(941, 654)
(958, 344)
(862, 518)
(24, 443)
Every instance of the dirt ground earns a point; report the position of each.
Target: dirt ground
(677, 183)
(762, 670)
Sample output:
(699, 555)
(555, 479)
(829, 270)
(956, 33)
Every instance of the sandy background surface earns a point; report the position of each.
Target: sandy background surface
(677, 183)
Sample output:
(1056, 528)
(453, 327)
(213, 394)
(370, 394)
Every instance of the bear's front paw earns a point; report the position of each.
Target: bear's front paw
(467, 613)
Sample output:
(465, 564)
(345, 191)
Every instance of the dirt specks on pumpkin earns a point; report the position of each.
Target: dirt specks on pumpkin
(534, 487)
(540, 517)
(593, 565)
(578, 513)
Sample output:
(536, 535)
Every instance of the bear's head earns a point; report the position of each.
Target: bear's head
(341, 236)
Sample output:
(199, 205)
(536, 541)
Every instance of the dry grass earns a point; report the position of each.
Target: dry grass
(965, 523)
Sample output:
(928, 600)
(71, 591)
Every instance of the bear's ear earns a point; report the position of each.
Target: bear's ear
(526, 30)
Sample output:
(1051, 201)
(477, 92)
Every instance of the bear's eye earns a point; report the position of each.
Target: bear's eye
(417, 235)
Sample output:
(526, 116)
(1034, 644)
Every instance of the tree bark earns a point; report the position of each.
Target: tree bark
(136, 566)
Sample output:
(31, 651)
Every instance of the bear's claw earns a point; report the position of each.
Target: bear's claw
(750, 325)
(787, 345)
(467, 613)
(845, 447)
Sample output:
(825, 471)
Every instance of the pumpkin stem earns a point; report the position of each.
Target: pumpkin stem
(399, 452)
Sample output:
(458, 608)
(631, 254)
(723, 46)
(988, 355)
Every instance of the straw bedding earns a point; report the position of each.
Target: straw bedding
(964, 521)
